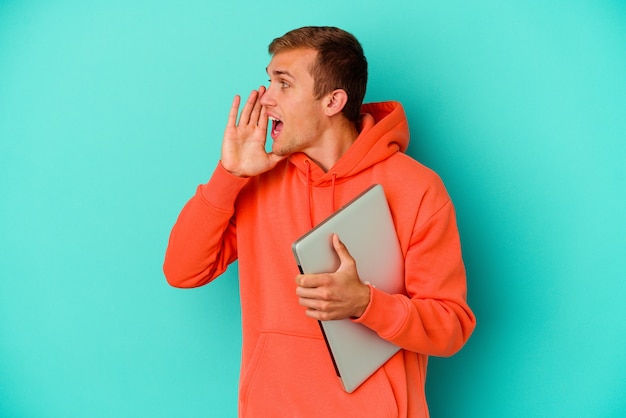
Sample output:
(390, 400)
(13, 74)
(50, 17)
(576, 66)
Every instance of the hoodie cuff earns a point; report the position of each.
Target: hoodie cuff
(384, 314)
(222, 189)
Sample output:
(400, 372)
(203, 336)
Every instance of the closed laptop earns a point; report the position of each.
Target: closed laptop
(366, 228)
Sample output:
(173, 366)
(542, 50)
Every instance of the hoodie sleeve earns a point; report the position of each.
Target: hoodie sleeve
(203, 240)
(434, 319)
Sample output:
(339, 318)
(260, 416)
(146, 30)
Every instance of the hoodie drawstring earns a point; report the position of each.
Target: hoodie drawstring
(332, 193)
(308, 192)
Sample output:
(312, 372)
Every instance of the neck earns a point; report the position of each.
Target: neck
(333, 146)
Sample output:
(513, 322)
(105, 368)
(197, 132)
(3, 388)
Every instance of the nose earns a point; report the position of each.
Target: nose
(267, 99)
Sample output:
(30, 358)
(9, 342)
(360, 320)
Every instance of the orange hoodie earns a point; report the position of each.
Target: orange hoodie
(286, 370)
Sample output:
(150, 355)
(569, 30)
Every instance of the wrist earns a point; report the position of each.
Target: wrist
(364, 301)
(232, 171)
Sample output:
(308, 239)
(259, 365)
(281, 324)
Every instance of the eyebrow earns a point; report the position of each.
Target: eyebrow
(281, 72)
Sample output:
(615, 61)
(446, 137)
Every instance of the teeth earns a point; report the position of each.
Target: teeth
(274, 119)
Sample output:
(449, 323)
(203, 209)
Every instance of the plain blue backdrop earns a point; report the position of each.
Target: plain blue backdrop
(112, 112)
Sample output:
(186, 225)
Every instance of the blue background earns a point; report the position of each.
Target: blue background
(111, 112)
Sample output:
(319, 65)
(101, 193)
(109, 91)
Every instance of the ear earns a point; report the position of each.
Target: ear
(335, 102)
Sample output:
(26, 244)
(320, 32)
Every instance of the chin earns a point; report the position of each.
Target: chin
(281, 151)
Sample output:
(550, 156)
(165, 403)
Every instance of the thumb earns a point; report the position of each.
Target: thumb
(342, 251)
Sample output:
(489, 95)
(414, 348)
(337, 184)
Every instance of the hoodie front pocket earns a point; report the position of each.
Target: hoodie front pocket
(293, 376)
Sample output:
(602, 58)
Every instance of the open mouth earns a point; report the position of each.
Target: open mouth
(277, 127)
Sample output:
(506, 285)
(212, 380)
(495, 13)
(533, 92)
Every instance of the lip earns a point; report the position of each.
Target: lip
(272, 116)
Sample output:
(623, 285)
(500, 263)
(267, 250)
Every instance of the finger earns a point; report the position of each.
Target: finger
(321, 314)
(301, 280)
(244, 119)
(263, 119)
(306, 293)
(310, 281)
(234, 109)
(257, 108)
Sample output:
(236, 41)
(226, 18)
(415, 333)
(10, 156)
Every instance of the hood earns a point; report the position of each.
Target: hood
(384, 131)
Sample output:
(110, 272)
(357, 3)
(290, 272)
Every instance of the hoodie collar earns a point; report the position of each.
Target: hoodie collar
(384, 131)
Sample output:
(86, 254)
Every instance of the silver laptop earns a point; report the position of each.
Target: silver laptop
(366, 227)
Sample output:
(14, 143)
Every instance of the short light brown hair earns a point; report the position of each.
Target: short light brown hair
(340, 63)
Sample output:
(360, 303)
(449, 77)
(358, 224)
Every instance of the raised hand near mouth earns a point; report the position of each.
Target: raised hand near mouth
(243, 146)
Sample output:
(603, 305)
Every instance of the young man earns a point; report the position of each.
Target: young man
(326, 149)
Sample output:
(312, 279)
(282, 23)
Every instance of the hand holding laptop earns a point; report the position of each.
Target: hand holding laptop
(337, 295)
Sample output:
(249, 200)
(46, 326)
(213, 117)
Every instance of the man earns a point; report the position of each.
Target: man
(326, 149)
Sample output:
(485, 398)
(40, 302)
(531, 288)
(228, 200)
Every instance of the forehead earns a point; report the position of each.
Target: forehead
(294, 63)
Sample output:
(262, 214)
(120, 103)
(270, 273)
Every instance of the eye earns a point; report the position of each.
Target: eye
(282, 83)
